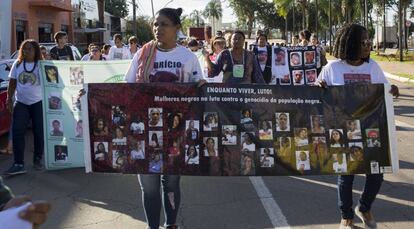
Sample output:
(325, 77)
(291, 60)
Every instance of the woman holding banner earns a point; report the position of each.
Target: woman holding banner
(352, 48)
(25, 87)
(237, 64)
(148, 66)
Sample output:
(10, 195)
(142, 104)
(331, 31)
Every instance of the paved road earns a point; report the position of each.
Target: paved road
(89, 201)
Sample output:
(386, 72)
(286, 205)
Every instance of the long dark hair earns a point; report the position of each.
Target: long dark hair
(348, 42)
(36, 47)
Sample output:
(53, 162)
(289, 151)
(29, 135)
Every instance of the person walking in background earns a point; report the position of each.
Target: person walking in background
(352, 50)
(263, 53)
(105, 50)
(118, 51)
(133, 46)
(304, 36)
(25, 86)
(146, 67)
(61, 51)
(321, 53)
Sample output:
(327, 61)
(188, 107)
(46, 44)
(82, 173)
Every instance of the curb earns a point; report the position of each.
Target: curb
(399, 78)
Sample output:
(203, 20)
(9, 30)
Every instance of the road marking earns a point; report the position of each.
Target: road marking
(404, 125)
(379, 196)
(273, 210)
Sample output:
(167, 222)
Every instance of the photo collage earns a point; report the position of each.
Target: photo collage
(59, 130)
(295, 65)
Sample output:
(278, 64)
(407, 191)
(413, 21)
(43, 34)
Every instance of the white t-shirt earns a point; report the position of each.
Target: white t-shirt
(249, 147)
(177, 65)
(338, 72)
(268, 162)
(118, 53)
(28, 89)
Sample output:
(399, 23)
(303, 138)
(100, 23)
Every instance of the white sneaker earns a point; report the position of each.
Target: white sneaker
(369, 222)
(346, 224)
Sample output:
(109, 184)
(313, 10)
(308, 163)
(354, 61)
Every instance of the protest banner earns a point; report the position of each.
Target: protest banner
(63, 125)
(233, 130)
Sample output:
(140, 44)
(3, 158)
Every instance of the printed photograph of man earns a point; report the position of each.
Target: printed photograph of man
(247, 141)
(156, 162)
(302, 160)
(51, 74)
(137, 125)
(229, 133)
(295, 59)
(353, 130)
(119, 159)
(301, 137)
(310, 76)
(282, 122)
(138, 150)
(310, 57)
(285, 80)
(280, 56)
(76, 75)
(101, 151)
(210, 146)
(373, 137)
(55, 101)
(247, 164)
(118, 115)
(266, 157)
(192, 129)
(317, 124)
(61, 153)
(192, 155)
(79, 129)
(246, 116)
(298, 78)
(285, 145)
(56, 128)
(155, 117)
(339, 163)
(210, 121)
(155, 139)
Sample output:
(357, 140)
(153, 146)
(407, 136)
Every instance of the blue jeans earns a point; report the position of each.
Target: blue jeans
(372, 186)
(151, 198)
(21, 116)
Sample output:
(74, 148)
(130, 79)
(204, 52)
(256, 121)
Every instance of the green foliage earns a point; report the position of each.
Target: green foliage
(144, 29)
(213, 9)
(118, 8)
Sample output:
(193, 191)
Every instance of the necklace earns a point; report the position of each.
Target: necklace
(165, 50)
(24, 66)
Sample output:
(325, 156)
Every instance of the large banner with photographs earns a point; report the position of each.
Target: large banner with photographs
(236, 130)
(295, 65)
(63, 124)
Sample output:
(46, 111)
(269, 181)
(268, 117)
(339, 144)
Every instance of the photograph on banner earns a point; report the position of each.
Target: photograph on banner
(294, 65)
(283, 132)
(62, 82)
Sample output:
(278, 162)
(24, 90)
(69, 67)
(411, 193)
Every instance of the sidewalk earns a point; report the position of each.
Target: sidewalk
(392, 67)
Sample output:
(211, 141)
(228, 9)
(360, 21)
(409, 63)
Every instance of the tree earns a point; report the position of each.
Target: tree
(118, 8)
(214, 11)
(196, 18)
(245, 11)
(269, 17)
(144, 29)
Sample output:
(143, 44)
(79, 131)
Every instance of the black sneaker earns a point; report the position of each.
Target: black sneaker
(37, 165)
(15, 169)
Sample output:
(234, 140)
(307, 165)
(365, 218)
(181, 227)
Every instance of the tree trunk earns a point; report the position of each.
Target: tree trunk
(249, 27)
(405, 28)
(400, 33)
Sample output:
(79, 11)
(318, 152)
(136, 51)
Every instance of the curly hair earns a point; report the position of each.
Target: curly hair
(348, 41)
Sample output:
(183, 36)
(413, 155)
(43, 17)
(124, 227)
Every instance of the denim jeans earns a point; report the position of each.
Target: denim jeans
(151, 198)
(21, 116)
(372, 186)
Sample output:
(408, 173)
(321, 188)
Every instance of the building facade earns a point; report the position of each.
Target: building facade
(39, 20)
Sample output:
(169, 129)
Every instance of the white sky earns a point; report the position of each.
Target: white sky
(144, 7)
